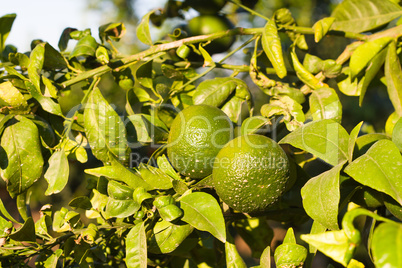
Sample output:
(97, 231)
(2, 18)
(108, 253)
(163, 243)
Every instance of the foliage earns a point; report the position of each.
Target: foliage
(145, 214)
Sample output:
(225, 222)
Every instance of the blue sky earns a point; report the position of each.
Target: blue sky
(46, 19)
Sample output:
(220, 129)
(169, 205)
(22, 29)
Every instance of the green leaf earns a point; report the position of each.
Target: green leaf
(325, 104)
(289, 108)
(397, 134)
(393, 75)
(379, 168)
(143, 33)
(65, 220)
(104, 128)
(155, 177)
(334, 244)
(6, 214)
(119, 191)
(53, 58)
(348, 86)
(202, 211)
(386, 246)
(364, 15)
(371, 71)
(253, 124)
(86, 46)
(26, 232)
(365, 53)
(165, 166)
(272, 46)
(52, 261)
(149, 128)
(6, 22)
(120, 208)
(233, 258)
(322, 27)
(312, 63)
(113, 31)
(47, 103)
(117, 171)
(37, 58)
(166, 236)
(352, 140)
(5, 227)
(321, 197)
(215, 92)
(144, 74)
(325, 139)
(11, 96)
(57, 173)
(136, 247)
(265, 260)
(22, 163)
(82, 202)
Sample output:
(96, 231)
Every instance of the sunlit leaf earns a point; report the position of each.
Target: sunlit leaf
(364, 15)
(202, 211)
(136, 247)
(386, 245)
(57, 173)
(393, 75)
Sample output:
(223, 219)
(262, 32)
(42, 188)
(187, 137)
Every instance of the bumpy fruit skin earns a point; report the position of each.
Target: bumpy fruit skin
(250, 173)
(209, 24)
(195, 138)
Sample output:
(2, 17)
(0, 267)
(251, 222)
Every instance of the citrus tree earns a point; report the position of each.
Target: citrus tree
(223, 131)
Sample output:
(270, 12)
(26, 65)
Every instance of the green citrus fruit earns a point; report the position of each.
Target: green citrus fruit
(209, 24)
(250, 173)
(195, 138)
(207, 7)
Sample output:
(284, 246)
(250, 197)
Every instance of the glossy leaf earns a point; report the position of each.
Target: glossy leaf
(120, 208)
(52, 261)
(143, 33)
(253, 124)
(349, 86)
(202, 211)
(26, 232)
(334, 244)
(272, 46)
(149, 128)
(216, 91)
(364, 15)
(397, 134)
(6, 214)
(165, 166)
(22, 163)
(136, 247)
(119, 191)
(322, 27)
(371, 71)
(82, 202)
(86, 46)
(321, 196)
(64, 220)
(312, 63)
(57, 173)
(166, 236)
(265, 259)
(379, 168)
(6, 22)
(104, 128)
(303, 74)
(117, 171)
(393, 75)
(47, 103)
(325, 104)
(233, 258)
(37, 58)
(363, 54)
(155, 177)
(352, 140)
(325, 139)
(11, 96)
(386, 245)
(5, 227)
(53, 59)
